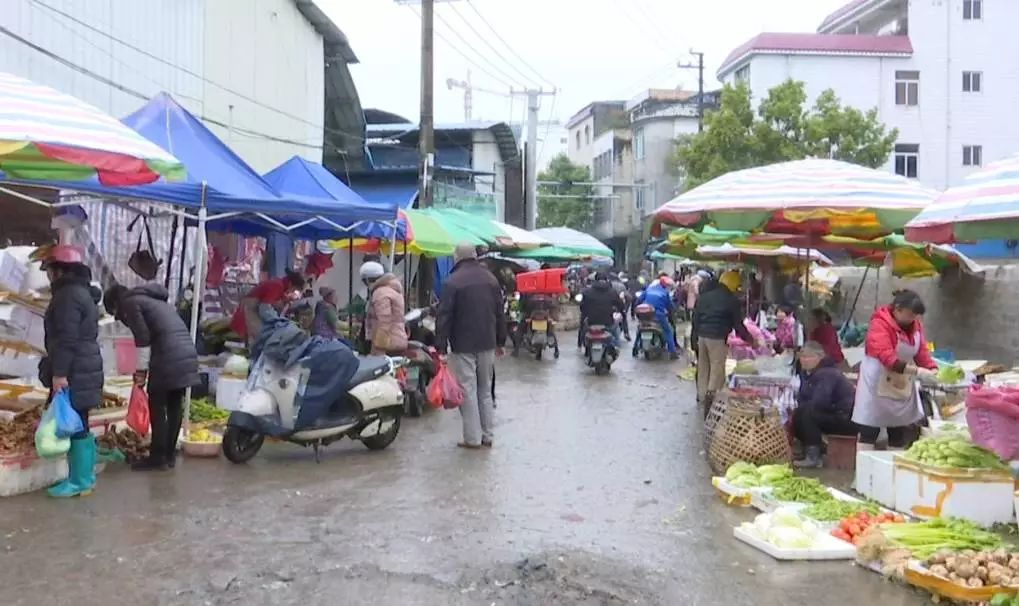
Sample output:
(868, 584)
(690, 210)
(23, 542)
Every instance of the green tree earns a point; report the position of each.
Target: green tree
(736, 137)
(564, 203)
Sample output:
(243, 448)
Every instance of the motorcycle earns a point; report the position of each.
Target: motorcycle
(422, 360)
(368, 408)
(650, 334)
(599, 348)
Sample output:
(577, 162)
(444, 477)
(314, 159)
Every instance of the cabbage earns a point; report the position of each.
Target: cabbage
(790, 538)
(770, 474)
(762, 524)
(786, 517)
(740, 468)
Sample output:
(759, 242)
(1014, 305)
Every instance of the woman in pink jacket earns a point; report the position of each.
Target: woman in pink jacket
(386, 326)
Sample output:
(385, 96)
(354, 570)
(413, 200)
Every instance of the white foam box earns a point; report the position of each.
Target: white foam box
(228, 391)
(826, 547)
(13, 272)
(27, 472)
(982, 496)
(875, 476)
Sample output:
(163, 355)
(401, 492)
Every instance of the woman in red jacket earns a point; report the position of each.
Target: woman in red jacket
(824, 333)
(275, 292)
(896, 353)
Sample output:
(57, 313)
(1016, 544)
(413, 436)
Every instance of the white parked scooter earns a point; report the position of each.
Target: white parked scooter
(370, 411)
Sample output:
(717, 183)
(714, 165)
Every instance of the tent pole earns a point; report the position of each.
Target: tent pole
(198, 293)
(350, 286)
(169, 260)
(183, 247)
(392, 250)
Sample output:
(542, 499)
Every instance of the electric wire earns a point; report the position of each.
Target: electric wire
(527, 80)
(508, 45)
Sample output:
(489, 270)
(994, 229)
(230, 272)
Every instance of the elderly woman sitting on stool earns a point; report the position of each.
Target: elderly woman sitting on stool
(825, 403)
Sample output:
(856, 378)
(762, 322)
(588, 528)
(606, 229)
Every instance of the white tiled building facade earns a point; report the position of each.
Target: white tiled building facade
(943, 72)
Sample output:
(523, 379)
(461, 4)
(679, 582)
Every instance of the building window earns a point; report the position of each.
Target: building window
(972, 82)
(587, 135)
(638, 196)
(972, 155)
(972, 9)
(743, 75)
(638, 144)
(578, 139)
(907, 88)
(907, 157)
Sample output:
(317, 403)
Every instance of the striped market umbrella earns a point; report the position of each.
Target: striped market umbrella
(984, 207)
(811, 196)
(47, 135)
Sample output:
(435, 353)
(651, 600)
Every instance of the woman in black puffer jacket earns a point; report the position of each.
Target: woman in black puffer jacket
(73, 360)
(167, 361)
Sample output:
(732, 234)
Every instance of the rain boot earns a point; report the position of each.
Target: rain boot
(81, 466)
(812, 458)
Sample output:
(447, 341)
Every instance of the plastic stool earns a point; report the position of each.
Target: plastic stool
(841, 452)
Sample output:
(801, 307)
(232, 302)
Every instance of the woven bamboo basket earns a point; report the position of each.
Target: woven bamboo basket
(720, 403)
(748, 428)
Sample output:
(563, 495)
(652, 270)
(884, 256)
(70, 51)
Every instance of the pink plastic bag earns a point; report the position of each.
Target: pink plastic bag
(445, 391)
(138, 411)
(992, 414)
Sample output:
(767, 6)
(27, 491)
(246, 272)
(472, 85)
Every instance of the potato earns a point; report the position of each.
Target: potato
(938, 558)
(968, 553)
(966, 570)
(994, 577)
(1013, 564)
(982, 573)
(951, 561)
(975, 582)
(940, 570)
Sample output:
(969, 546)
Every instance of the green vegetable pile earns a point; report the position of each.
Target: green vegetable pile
(204, 411)
(924, 539)
(801, 490)
(951, 451)
(748, 475)
(835, 510)
(950, 374)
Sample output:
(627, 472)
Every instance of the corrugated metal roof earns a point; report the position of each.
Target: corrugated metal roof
(820, 44)
(333, 36)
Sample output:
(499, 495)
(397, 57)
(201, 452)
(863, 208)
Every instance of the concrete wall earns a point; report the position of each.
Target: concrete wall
(972, 316)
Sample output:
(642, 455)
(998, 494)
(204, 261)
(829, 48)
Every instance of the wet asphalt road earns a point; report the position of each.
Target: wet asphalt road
(595, 493)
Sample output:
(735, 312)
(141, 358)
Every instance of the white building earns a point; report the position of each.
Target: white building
(945, 73)
(254, 70)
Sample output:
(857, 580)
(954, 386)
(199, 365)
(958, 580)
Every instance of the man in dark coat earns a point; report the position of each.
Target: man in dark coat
(167, 362)
(73, 360)
(824, 404)
(598, 304)
(471, 324)
(716, 314)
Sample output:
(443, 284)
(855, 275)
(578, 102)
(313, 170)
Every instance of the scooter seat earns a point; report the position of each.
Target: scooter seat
(369, 369)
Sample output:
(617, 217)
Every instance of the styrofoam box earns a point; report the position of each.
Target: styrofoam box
(12, 272)
(827, 547)
(875, 476)
(228, 392)
(982, 496)
(26, 473)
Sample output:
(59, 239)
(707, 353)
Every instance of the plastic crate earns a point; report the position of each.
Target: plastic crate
(546, 281)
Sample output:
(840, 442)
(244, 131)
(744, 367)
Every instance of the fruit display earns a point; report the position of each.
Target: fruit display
(18, 434)
(801, 490)
(748, 475)
(951, 451)
(126, 441)
(969, 568)
(204, 411)
(852, 528)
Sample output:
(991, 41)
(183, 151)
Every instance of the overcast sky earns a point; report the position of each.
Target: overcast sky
(588, 49)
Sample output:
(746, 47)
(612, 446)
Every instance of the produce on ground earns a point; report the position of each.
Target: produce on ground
(783, 528)
(925, 539)
(202, 410)
(801, 490)
(835, 510)
(204, 436)
(852, 528)
(951, 451)
(748, 475)
(17, 435)
(970, 568)
(126, 441)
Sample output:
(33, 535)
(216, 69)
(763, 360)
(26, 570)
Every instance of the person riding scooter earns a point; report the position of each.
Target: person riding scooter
(659, 296)
(619, 285)
(529, 303)
(598, 306)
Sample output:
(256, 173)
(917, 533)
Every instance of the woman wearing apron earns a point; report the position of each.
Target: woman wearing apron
(896, 355)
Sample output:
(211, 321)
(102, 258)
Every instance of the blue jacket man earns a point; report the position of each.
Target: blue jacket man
(658, 296)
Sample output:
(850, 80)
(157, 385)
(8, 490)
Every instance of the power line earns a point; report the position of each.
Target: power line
(505, 79)
(548, 126)
(526, 79)
(508, 45)
(659, 34)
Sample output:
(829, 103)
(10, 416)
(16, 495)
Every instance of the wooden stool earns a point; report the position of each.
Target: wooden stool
(841, 452)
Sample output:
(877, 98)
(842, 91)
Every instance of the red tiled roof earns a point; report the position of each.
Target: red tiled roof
(834, 44)
(842, 12)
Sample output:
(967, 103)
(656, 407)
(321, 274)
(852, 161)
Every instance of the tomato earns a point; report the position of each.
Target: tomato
(838, 533)
(855, 530)
(845, 524)
(900, 519)
(863, 516)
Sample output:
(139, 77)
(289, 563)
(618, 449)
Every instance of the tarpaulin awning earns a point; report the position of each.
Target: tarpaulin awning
(801, 197)
(984, 207)
(566, 244)
(50, 136)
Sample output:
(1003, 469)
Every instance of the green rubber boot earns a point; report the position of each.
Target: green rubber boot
(81, 469)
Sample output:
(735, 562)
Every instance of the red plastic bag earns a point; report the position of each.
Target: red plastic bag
(445, 391)
(138, 411)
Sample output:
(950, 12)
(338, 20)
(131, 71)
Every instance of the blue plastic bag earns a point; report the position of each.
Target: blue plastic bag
(68, 420)
(47, 444)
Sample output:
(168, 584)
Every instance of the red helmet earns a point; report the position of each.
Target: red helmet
(666, 282)
(65, 253)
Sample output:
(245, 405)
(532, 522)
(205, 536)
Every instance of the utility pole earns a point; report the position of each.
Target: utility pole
(699, 66)
(531, 155)
(427, 128)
